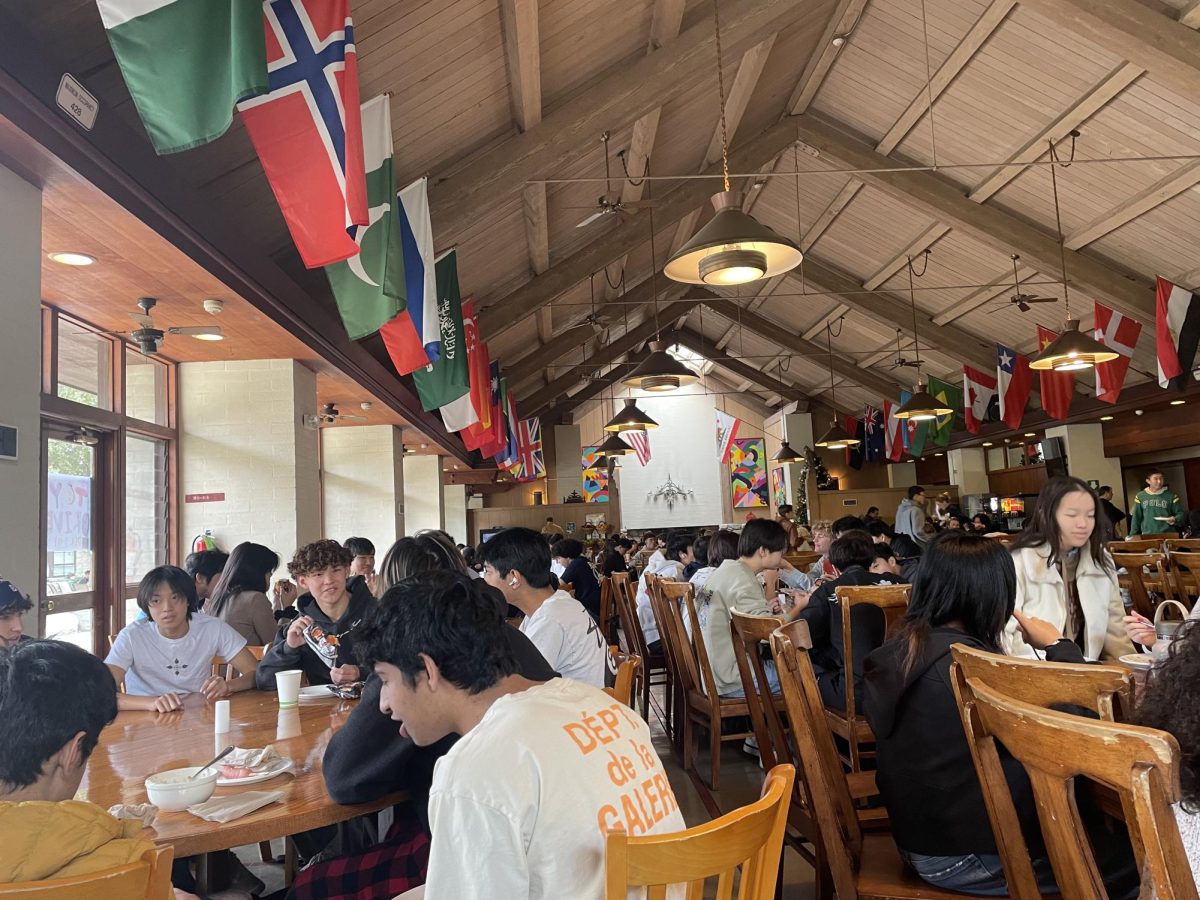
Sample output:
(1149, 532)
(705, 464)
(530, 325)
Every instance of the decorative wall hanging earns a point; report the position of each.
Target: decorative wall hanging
(748, 472)
(779, 487)
(595, 476)
(671, 492)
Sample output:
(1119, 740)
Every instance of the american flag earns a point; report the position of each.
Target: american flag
(640, 442)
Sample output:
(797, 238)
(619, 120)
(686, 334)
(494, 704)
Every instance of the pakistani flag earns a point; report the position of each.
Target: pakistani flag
(951, 397)
(369, 287)
(186, 63)
(447, 379)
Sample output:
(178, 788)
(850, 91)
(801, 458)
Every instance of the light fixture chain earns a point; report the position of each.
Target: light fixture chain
(929, 86)
(1062, 245)
(721, 92)
(912, 297)
(653, 256)
(829, 345)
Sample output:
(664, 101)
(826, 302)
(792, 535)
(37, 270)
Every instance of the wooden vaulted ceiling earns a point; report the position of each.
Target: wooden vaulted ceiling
(503, 102)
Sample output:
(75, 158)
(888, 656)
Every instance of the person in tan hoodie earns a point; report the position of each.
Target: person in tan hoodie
(55, 699)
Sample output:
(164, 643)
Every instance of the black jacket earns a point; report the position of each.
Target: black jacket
(280, 656)
(580, 576)
(367, 759)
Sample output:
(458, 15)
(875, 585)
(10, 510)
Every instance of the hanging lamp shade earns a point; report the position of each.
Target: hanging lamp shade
(837, 438)
(1071, 351)
(615, 446)
(659, 372)
(631, 418)
(787, 455)
(922, 406)
(733, 248)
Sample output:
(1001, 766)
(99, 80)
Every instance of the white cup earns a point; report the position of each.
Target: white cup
(287, 725)
(221, 716)
(287, 683)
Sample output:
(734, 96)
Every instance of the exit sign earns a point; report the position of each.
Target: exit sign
(203, 498)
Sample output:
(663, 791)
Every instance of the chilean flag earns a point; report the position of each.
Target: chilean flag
(307, 129)
(893, 442)
(1014, 382)
(1121, 334)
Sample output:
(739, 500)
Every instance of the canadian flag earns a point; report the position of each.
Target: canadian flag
(1121, 334)
(980, 401)
(893, 443)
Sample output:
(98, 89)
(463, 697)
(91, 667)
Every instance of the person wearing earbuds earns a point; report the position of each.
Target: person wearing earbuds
(516, 561)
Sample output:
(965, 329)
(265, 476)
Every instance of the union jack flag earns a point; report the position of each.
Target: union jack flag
(307, 129)
(530, 462)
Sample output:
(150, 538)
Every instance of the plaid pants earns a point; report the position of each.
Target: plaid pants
(393, 866)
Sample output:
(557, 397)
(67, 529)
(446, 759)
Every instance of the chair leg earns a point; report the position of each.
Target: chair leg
(714, 739)
(264, 851)
(691, 743)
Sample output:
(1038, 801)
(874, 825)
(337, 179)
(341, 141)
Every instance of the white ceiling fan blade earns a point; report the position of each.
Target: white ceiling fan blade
(194, 330)
(592, 218)
(353, 418)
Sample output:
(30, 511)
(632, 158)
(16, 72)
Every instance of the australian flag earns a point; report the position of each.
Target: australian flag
(873, 440)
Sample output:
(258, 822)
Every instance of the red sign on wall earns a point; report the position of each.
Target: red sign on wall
(203, 498)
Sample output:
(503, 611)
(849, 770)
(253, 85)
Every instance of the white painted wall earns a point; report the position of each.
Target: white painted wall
(21, 376)
(363, 484)
(455, 504)
(424, 502)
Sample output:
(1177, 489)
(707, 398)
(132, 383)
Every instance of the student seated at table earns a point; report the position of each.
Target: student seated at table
(614, 556)
(516, 561)
(677, 554)
(519, 804)
(851, 556)
(170, 654)
(963, 594)
(333, 600)
(721, 546)
(55, 699)
(885, 561)
(205, 567)
(578, 573)
(239, 597)
(13, 604)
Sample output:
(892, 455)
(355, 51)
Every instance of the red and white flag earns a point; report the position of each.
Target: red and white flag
(1057, 387)
(307, 130)
(893, 442)
(1121, 334)
(979, 396)
(727, 427)
(1176, 333)
(640, 442)
(479, 368)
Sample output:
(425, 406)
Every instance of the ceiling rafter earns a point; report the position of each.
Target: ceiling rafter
(998, 287)
(605, 376)
(839, 310)
(753, 303)
(844, 18)
(922, 242)
(1190, 15)
(740, 369)
(1170, 185)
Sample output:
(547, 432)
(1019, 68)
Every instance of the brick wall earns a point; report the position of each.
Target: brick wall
(363, 484)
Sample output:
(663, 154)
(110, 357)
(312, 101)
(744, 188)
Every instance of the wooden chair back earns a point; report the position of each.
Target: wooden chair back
(567, 586)
(749, 838)
(670, 613)
(627, 615)
(1184, 566)
(749, 635)
(1186, 545)
(1136, 545)
(803, 559)
(607, 607)
(627, 666)
(708, 681)
(1105, 690)
(1140, 582)
(1139, 764)
(147, 879)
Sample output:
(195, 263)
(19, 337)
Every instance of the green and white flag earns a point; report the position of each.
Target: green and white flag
(951, 395)
(186, 63)
(369, 288)
(448, 379)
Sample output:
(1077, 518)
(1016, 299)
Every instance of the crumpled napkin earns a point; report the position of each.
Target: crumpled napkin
(226, 809)
(257, 760)
(135, 812)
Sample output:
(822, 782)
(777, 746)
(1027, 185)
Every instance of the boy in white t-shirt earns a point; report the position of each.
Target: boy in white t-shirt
(520, 805)
(516, 561)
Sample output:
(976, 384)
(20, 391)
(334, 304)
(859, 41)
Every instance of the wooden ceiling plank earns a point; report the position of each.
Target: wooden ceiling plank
(845, 17)
(998, 287)
(522, 50)
(1127, 291)
(696, 343)
(829, 215)
(958, 59)
(545, 325)
(1123, 75)
(1171, 185)
(755, 302)
(1190, 15)
(665, 22)
(542, 357)
(621, 364)
(919, 245)
(537, 227)
(620, 95)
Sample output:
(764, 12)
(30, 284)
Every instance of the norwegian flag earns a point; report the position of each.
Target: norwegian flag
(530, 462)
(307, 129)
(640, 442)
(980, 403)
(893, 442)
(1014, 382)
(1121, 334)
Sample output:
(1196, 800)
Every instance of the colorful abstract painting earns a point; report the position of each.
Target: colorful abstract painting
(748, 472)
(779, 487)
(595, 477)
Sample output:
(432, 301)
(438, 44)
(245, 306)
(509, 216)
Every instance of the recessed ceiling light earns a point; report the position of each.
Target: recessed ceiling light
(1030, 434)
(1106, 418)
(69, 258)
(939, 454)
(209, 337)
(1178, 402)
(987, 444)
(1139, 412)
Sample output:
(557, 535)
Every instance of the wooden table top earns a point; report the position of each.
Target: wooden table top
(139, 744)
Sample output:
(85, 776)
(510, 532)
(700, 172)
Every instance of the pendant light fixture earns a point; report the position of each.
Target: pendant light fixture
(922, 406)
(631, 418)
(836, 438)
(1073, 349)
(733, 248)
(786, 454)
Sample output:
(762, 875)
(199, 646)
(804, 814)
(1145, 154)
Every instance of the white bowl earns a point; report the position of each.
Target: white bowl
(171, 791)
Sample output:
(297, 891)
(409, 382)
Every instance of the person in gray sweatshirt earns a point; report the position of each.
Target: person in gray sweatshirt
(910, 515)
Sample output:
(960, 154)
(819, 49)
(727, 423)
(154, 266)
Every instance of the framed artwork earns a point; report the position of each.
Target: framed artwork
(595, 477)
(779, 487)
(748, 472)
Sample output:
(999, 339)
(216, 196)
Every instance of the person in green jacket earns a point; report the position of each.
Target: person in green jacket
(1156, 509)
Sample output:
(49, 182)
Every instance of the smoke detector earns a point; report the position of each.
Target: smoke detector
(365, 405)
(214, 307)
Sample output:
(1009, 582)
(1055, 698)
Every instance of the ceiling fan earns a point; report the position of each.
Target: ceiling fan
(329, 414)
(150, 339)
(900, 360)
(1019, 300)
(604, 205)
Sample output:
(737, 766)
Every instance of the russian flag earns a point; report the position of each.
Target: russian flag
(414, 337)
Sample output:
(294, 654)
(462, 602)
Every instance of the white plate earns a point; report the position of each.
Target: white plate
(271, 771)
(1136, 660)
(317, 692)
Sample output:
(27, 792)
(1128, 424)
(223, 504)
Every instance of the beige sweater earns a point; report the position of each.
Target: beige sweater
(249, 614)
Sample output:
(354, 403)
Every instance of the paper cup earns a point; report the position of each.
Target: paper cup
(287, 725)
(287, 683)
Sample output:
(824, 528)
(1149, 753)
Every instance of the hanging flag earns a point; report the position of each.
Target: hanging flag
(1121, 334)
(1176, 333)
(951, 395)
(167, 48)
(640, 442)
(413, 338)
(369, 286)
(445, 384)
(530, 462)
(1014, 382)
(479, 370)
(496, 437)
(874, 434)
(509, 456)
(893, 440)
(727, 427)
(1057, 387)
(854, 453)
(307, 130)
(980, 400)
(914, 433)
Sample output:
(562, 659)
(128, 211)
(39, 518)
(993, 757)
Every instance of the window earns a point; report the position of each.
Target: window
(147, 528)
(145, 388)
(84, 365)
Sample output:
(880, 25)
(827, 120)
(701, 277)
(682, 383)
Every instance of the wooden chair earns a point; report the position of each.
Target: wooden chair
(1187, 545)
(567, 586)
(749, 838)
(802, 559)
(627, 666)
(148, 878)
(1136, 545)
(608, 610)
(1184, 567)
(702, 705)
(652, 663)
(1145, 578)
(892, 601)
(1141, 765)
(862, 866)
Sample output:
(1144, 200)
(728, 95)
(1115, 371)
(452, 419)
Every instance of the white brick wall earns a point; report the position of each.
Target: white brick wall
(363, 483)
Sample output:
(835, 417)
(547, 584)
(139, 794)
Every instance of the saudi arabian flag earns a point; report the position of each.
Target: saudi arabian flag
(187, 63)
(951, 395)
(369, 288)
(447, 379)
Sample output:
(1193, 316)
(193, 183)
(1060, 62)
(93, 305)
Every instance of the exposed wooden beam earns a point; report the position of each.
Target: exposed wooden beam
(1127, 291)
(919, 245)
(830, 213)
(620, 95)
(830, 317)
(543, 357)
(998, 287)
(522, 52)
(970, 44)
(537, 227)
(755, 302)
(545, 325)
(1123, 75)
(737, 367)
(1190, 15)
(513, 308)
(665, 22)
(596, 386)
(1171, 185)
(833, 38)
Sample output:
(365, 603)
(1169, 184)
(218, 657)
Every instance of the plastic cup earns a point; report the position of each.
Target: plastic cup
(287, 683)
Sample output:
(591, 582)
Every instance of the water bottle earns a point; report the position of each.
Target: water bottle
(1166, 630)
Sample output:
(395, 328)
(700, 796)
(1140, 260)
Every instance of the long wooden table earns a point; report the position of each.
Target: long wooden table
(139, 744)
